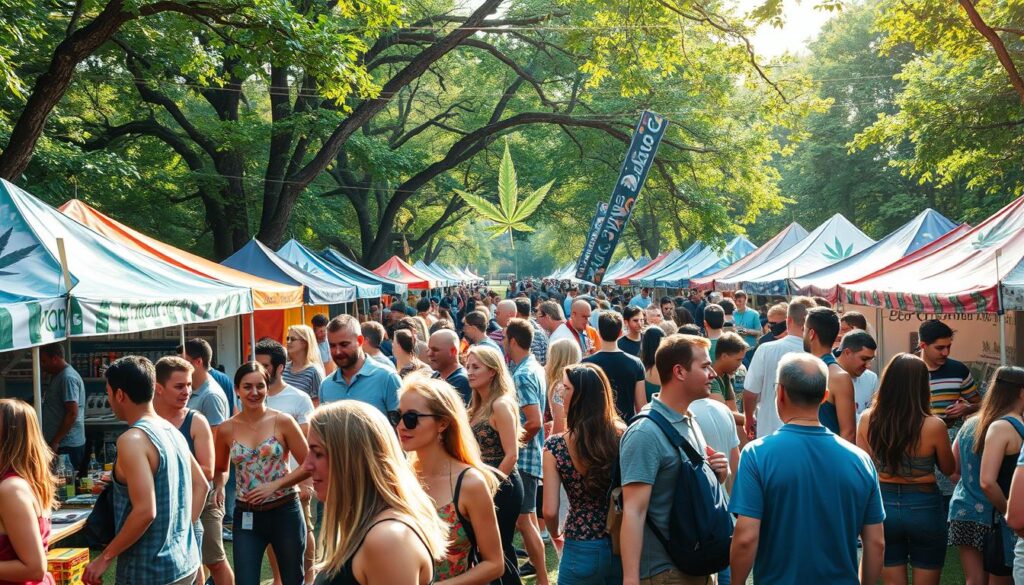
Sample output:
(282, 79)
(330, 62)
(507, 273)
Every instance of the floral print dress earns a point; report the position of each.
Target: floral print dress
(587, 513)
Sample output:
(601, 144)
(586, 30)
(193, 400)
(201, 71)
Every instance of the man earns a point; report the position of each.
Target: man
(759, 384)
(650, 463)
(577, 328)
(159, 492)
(505, 310)
(625, 372)
(358, 377)
(550, 317)
(745, 319)
(838, 411)
(319, 323)
(776, 325)
(210, 400)
(297, 404)
(529, 379)
(954, 395)
(781, 493)
(539, 348)
(695, 305)
(654, 316)
(634, 320)
(668, 309)
(373, 335)
(570, 297)
(714, 320)
(63, 406)
(443, 354)
(474, 329)
(855, 355)
(642, 300)
(170, 402)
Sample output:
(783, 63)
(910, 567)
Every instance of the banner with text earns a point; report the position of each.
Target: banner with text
(588, 246)
(608, 231)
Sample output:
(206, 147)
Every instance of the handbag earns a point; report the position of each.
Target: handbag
(99, 526)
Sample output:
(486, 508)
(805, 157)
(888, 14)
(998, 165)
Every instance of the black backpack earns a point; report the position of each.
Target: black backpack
(699, 524)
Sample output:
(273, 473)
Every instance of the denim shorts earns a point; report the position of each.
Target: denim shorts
(530, 485)
(589, 562)
(915, 526)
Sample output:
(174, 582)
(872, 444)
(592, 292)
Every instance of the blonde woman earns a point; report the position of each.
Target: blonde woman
(26, 496)
(304, 370)
(562, 354)
(494, 418)
(434, 428)
(379, 526)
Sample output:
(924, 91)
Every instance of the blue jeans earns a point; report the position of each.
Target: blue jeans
(587, 562)
(284, 529)
(229, 494)
(915, 527)
(725, 576)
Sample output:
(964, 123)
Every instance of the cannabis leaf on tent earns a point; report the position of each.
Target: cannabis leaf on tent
(836, 252)
(993, 237)
(13, 257)
(512, 214)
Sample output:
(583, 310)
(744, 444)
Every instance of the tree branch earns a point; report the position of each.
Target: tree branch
(997, 44)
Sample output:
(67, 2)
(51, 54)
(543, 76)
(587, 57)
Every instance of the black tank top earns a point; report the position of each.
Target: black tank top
(1009, 463)
(345, 576)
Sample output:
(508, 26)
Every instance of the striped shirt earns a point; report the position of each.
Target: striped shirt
(306, 380)
(952, 381)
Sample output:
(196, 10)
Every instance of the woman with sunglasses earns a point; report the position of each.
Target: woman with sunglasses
(494, 417)
(257, 441)
(582, 460)
(434, 429)
(378, 524)
(304, 370)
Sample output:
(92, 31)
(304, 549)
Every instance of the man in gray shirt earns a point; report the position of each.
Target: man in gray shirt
(63, 405)
(650, 464)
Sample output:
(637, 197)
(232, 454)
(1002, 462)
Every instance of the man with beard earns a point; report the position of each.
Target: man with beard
(358, 377)
(668, 310)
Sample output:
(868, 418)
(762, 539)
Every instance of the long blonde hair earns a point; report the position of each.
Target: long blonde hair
(561, 354)
(305, 332)
(457, 439)
(501, 385)
(368, 475)
(23, 450)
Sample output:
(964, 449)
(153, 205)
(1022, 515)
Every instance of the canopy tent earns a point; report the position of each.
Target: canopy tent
(832, 241)
(442, 279)
(474, 275)
(708, 260)
(456, 278)
(928, 226)
(114, 289)
(625, 266)
(978, 272)
(781, 242)
(257, 259)
(304, 258)
(557, 273)
(651, 266)
(397, 269)
(462, 274)
(356, 271)
(266, 294)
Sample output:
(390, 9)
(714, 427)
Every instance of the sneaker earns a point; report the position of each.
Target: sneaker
(545, 536)
(527, 569)
(228, 535)
(522, 553)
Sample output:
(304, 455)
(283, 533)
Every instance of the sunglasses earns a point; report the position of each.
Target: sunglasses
(294, 339)
(410, 419)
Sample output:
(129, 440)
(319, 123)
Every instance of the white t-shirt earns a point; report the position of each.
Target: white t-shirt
(763, 375)
(294, 403)
(864, 389)
(561, 332)
(717, 423)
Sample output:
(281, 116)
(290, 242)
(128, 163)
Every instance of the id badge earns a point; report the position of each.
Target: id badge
(246, 520)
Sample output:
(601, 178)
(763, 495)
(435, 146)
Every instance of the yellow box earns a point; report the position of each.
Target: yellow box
(67, 565)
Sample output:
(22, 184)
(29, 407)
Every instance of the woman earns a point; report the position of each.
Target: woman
(649, 342)
(257, 441)
(997, 438)
(406, 359)
(971, 513)
(378, 524)
(681, 316)
(906, 443)
(494, 417)
(562, 354)
(26, 496)
(1015, 504)
(582, 460)
(304, 370)
(434, 429)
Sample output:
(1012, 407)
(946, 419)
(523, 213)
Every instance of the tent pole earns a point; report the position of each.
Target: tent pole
(302, 310)
(881, 336)
(182, 335)
(252, 334)
(1002, 338)
(37, 383)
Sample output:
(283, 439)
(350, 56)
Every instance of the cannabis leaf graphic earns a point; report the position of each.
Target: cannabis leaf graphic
(837, 252)
(15, 256)
(993, 237)
(394, 273)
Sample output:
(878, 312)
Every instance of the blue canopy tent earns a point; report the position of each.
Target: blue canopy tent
(442, 279)
(779, 243)
(646, 278)
(305, 259)
(708, 261)
(259, 260)
(347, 266)
(441, 270)
(625, 266)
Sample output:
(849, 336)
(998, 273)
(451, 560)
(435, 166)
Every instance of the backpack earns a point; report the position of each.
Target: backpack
(699, 524)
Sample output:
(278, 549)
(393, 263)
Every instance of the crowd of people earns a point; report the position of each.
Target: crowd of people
(411, 446)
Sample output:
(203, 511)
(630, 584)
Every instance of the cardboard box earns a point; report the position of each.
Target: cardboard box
(67, 565)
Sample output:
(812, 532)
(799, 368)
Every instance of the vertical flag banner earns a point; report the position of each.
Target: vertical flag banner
(595, 225)
(639, 158)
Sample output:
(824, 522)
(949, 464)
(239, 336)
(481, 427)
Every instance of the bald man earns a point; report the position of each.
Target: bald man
(577, 328)
(443, 354)
(503, 313)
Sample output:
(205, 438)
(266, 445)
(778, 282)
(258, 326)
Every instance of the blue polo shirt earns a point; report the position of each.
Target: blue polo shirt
(488, 342)
(640, 301)
(373, 384)
(781, 482)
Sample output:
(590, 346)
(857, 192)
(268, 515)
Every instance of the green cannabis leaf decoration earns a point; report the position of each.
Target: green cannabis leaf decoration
(13, 257)
(836, 251)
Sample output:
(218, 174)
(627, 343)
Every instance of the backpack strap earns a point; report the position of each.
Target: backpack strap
(678, 441)
(474, 553)
(1017, 425)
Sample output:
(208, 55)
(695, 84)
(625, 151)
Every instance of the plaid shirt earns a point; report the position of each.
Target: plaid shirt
(528, 376)
(539, 347)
